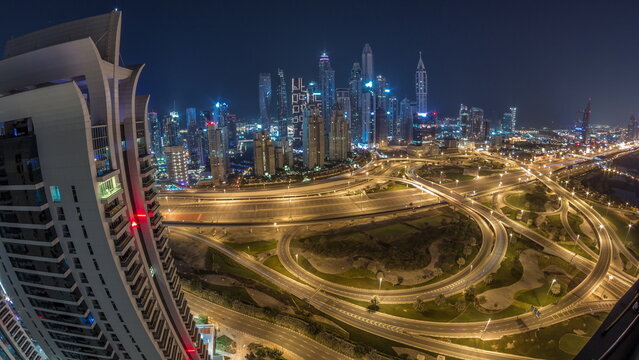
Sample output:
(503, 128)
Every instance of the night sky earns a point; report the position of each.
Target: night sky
(546, 57)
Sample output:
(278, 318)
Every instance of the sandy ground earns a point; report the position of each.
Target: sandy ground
(532, 278)
(265, 300)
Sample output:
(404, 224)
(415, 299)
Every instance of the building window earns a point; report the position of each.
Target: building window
(65, 231)
(90, 248)
(75, 194)
(71, 247)
(60, 214)
(76, 263)
(55, 193)
(84, 232)
(77, 210)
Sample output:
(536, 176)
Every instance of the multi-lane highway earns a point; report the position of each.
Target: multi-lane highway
(409, 331)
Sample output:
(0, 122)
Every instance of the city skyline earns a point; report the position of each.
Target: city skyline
(542, 60)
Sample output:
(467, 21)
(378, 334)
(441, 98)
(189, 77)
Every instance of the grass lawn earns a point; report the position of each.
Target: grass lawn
(274, 263)
(621, 227)
(390, 186)
(392, 231)
(572, 343)
(460, 177)
(575, 222)
(519, 201)
(545, 343)
(360, 278)
(253, 247)
(539, 296)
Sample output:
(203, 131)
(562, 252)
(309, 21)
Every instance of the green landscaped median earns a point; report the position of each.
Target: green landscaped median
(558, 342)
(274, 263)
(253, 247)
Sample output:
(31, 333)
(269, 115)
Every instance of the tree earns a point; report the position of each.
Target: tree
(460, 305)
(461, 261)
(419, 305)
(374, 306)
(467, 250)
(440, 300)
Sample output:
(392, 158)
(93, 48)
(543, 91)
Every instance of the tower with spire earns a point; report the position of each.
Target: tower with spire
(327, 88)
(421, 86)
(367, 64)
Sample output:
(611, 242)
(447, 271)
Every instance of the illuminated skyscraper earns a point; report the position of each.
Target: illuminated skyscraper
(381, 126)
(421, 86)
(265, 97)
(327, 90)
(583, 126)
(218, 152)
(339, 141)
(343, 98)
(355, 93)
(176, 164)
(509, 120)
(16, 343)
(633, 131)
(405, 120)
(368, 106)
(299, 103)
(327, 85)
(85, 256)
(465, 122)
(191, 117)
(263, 154)
(283, 110)
(313, 139)
(477, 122)
(367, 64)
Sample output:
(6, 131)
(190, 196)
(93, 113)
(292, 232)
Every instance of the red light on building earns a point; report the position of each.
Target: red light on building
(134, 224)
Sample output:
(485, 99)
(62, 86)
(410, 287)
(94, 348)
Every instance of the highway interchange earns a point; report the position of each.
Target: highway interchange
(342, 198)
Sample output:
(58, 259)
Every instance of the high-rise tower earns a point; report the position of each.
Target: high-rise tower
(367, 64)
(313, 139)
(339, 142)
(265, 95)
(327, 85)
(355, 88)
(421, 86)
(584, 125)
(283, 110)
(85, 253)
(263, 154)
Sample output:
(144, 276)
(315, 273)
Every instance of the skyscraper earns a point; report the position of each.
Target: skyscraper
(176, 164)
(218, 152)
(421, 86)
(477, 122)
(86, 258)
(264, 90)
(339, 141)
(299, 103)
(327, 85)
(283, 110)
(191, 117)
(367, 64)
(355, 93)
(465, 122)
(405, 120)
(16, 343)
(313, 139)
(633, 131)
(343, 98)
(368, 106)
(263, 154)
(509, 120)
(381, 127)
(584, 125)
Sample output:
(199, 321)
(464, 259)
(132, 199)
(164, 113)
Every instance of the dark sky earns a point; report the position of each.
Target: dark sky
(546, 57)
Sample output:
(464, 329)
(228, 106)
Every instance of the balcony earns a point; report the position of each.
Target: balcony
(159, 231)
(127, 259)
(155, 220)
(113, 211)
(147, 182)
(117, 227)
(161, 243)
(150, 195)
(122, 243)
(153, 207)
(146, 169)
